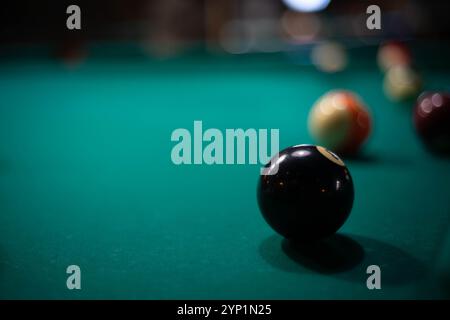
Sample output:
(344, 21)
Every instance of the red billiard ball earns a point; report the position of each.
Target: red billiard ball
(432, 120)
(340, 121)
(393, 53)
(72, 52)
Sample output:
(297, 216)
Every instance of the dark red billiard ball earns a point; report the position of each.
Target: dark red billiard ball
(72, 52)
(306, 193)
(432, 120)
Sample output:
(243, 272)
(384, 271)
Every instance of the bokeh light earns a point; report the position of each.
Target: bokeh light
(307, 5)
(329, 56)
(301, 27)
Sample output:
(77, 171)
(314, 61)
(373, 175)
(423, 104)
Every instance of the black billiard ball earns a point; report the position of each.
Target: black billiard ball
(432, 120)
(305, 193)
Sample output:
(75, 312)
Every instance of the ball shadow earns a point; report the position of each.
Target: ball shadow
(335, 254)
(345, 257)
(362, 157)
(368, 158)
(437, 153)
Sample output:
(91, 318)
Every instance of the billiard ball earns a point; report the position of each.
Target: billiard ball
(340, 121)
(329, 57)
(305, 193)
(401, 83)
(393, 53)
(432, 120)
(72, 52)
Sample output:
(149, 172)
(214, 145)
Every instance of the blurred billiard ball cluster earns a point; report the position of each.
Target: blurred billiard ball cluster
(310, 195)
(340, 120)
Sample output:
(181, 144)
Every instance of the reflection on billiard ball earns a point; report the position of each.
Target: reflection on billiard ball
(340, 121)
(309, 197)
(432, 120)
(402, 82)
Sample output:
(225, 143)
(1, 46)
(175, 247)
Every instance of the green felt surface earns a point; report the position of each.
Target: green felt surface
(86, 178)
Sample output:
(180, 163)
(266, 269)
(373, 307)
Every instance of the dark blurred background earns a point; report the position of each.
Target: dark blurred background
(235, 26)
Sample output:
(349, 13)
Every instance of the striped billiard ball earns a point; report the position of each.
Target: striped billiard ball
(340, 121)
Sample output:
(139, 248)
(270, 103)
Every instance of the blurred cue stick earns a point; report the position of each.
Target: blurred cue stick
(217, 14)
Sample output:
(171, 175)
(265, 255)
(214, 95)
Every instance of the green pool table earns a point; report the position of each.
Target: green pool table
(86, 179)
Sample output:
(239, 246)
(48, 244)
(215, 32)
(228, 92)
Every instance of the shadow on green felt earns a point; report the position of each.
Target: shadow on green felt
(336, 254)
(362, 157)
(343, 256)
(373, 158)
